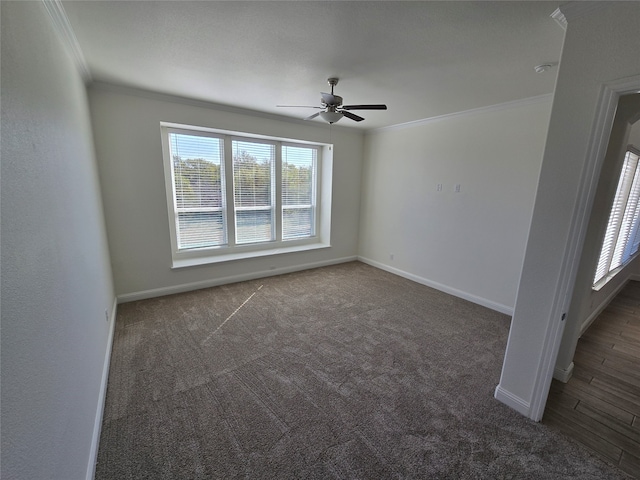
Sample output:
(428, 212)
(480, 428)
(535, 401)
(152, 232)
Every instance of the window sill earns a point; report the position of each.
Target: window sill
(596, 287)
(231, 256)
(601, 283)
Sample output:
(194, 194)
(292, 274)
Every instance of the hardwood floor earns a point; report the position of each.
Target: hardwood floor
(600, 406)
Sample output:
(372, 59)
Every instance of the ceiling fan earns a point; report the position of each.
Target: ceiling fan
(333, 109)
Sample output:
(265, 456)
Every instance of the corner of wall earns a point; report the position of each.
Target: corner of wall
(498, 307)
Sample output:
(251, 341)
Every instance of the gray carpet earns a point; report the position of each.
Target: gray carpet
(339, 372)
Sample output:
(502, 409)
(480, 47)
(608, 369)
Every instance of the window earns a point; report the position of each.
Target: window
(198, 190)
(298, 191)
(254, 191)
(232, 196)
(622, 236)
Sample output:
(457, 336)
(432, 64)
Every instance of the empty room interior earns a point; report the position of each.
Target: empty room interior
(320, 239)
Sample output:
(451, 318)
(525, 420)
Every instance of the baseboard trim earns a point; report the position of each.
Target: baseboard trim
(513, 401)
(438, 286)
(188, 287)
(563, 375)
(102, 396)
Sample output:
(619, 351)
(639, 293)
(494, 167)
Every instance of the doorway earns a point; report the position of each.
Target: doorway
(599, 356)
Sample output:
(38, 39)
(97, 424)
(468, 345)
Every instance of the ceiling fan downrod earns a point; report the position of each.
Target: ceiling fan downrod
(332, 82)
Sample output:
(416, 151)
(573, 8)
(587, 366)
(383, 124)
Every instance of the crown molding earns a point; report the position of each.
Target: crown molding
(475, 111)
(559, 17)
(63, 28)
(572, 10)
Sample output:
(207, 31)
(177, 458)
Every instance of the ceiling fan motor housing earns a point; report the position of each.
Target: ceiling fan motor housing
(337, 101)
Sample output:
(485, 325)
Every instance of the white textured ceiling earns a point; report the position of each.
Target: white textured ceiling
(423, 59)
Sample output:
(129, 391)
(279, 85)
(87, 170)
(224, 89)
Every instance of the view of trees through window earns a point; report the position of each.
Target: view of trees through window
(253, 191)
(198, 190)
(298, 170)
(200, 193)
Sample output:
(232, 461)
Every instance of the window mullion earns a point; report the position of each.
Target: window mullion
(230, 203)
(315, 189)
(278, 193)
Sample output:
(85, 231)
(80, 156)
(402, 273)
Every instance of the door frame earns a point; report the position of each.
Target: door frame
(590, 175)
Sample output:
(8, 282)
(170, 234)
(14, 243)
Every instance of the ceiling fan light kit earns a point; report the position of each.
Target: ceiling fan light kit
(331, 117)
(332, 108)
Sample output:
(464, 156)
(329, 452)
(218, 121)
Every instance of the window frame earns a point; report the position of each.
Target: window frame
(621, 238)
(275, 191)
(176, 210)
(315, 184)
(321, 228)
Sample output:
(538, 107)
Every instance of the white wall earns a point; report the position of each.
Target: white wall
(600, 47)
(56, 280)
(470, 243)
(128, 145)
(634, 135)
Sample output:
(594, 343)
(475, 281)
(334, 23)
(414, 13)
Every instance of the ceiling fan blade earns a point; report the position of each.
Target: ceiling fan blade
(364, 107)
(311, 117)
(330, 99)
(298, 106)
(352, 116)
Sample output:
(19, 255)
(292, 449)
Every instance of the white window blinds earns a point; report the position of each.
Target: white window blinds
(253, 191)
(234, 195)
(198, 184)
(622, 238)
(298, 191)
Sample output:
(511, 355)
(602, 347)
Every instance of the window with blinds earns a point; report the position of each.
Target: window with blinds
(254, 191)
(198, 190)
(298, 191)
(229, 193)
(622, 236)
